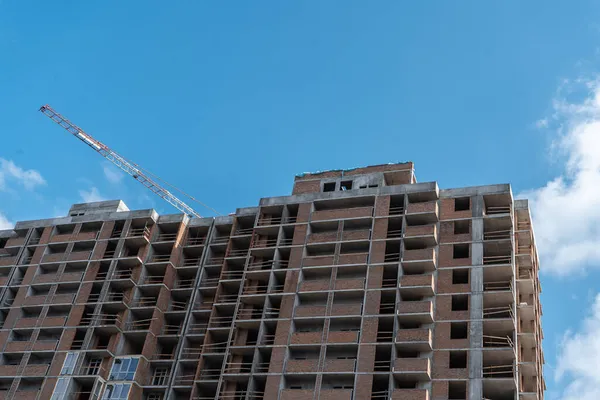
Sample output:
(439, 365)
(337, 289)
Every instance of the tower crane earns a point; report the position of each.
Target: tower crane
(130, 168)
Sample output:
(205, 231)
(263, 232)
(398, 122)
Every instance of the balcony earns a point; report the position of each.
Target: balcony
(323, 237)
(36, 370)
(410, 394)
(346, 309)
(418, 285)
(355, 212)
(335, 394)
(427, 234)
(414, 339)
(307, 337)
(416, 311)
(349, 284)
(310, 311)
(8, 370)
(342, 337)
(7, 259)
(297, 394)
(353, 258)
(419, 259)
(428, 209)
(340, 365)
(315, 261)
(315, 285)
(302, 366)
(413, 368)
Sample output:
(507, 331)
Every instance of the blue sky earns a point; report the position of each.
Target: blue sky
(229, 101)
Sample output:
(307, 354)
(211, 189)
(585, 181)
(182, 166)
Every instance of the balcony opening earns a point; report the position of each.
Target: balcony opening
(117, 229)
(64, 229)
(394, 228)
(406, 384)
(392, 252)
(380, 386)
(462, 227)
(345, 185)
(383, 359)
(300, 382)
(30, 385)
(91, 227)
(337, 382)
(457, 390)
(329, 187)
(460, 251)
(457, 359)
(460, 276)
(462, 204)
(460, 302)
(385, 330)
(396, 205)
(459, 330)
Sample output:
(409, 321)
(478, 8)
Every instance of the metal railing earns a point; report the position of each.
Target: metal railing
(135, 232)
(267, 220)
(497, 341)
(490, 210)
(166, 237)
(497, 286)
(191, 262)
(195, 241)
(498, 312)
(237, 253)
(184, 284)
(101, 320)
(139, 325)
(268, 265)
(396, 210)
(243, 232)
(502, 259)
(496, 235)
(261, 244)
(396, 233)
(499, 371)
(160, 258)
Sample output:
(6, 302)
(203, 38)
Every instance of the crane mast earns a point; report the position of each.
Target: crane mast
(120, 161)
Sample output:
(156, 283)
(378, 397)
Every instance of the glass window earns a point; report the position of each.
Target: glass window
(123, 369)
(60, 390)
(69, 364)
(118, 391)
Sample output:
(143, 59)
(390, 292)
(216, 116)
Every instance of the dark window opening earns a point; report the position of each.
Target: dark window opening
(460, 302)
(460, 251)
(457, 390)
(462, 204)
(459, 330)
(458, 359)
(346, 185)
(329, 187)
(461, 227)
(460, 276)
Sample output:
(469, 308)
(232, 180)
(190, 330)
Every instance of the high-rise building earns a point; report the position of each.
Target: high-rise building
(363, 284)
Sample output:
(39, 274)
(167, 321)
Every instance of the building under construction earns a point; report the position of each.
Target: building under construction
(361, 285)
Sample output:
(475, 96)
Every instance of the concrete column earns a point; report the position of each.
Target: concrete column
(475, 389)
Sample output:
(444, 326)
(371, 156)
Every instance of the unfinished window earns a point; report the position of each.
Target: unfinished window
(346, 185)
(457, 390)
(460, 276)
(460, 302)
(161, 374)
(458, 359)
(462, 204)
(461, 227)
(329, 187)
(460, 251)
(459, 330)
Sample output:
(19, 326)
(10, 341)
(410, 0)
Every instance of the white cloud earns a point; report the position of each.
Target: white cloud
(111, 173)
(90, 196)
(5, 223)
(541, 123)
(578, 359)
(566, 211)
(10, 171)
